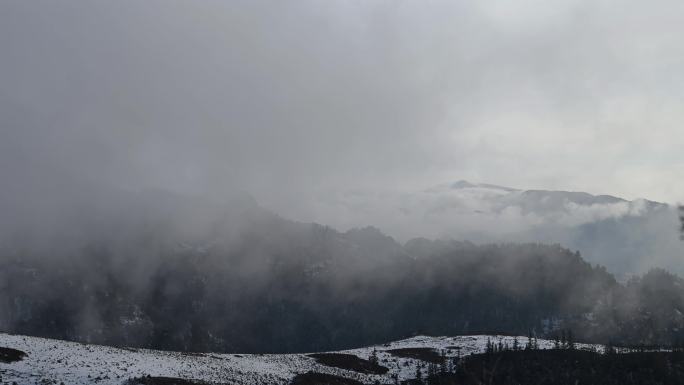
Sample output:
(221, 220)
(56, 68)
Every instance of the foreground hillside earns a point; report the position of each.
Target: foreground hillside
(461, 360)
(46, 361)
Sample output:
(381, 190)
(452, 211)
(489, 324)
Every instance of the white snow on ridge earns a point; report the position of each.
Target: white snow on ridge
(55, 361)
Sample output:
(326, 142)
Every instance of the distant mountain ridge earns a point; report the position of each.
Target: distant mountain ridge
(554, 196)
(628, 237)
(465, 184)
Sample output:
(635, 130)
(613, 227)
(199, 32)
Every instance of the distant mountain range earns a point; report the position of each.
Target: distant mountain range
(628, 237)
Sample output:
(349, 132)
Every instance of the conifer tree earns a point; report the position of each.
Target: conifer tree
(443, 366)
(373, 357)
(564, 340)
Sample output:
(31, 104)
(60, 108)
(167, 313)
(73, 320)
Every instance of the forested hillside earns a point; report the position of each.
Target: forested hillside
(254, 282)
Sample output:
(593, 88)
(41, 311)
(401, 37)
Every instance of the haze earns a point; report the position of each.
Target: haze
(289, 101)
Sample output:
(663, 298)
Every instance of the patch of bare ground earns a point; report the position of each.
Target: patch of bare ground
(349, 362)
(9, 355)
(423, 354)
(313, 378)
(148, 380)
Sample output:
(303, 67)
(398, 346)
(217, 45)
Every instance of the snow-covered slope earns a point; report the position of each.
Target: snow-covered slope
(55, 361)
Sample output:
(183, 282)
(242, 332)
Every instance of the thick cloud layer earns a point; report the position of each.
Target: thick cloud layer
(287, 100)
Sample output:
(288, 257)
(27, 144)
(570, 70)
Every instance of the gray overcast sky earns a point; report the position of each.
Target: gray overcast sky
(284, 97)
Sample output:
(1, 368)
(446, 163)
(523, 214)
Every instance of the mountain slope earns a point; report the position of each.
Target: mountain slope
(628, 237)
(189, 275)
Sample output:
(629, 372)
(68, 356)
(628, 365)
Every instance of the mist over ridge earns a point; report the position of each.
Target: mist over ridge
(346, 115)
(629, 237)
(169, 271)
(261, 176)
